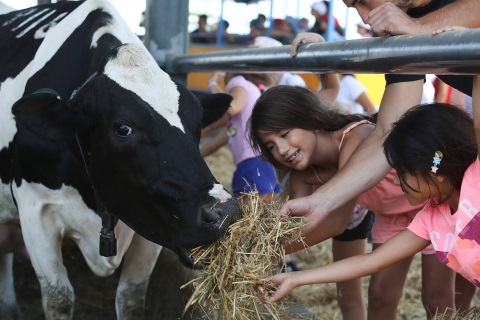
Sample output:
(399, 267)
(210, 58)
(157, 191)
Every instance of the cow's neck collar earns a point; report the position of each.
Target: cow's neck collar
(108, 242)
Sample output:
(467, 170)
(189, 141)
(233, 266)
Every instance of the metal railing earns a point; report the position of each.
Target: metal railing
(454, 52)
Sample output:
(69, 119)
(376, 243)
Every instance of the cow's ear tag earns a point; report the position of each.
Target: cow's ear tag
(108, 242)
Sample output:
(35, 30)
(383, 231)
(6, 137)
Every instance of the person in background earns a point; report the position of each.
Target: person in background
(252, 172)
(256, 29)
(227, 38)
(201, 34)
(303, 25)
(443, 176)
(281, 78)
(263, 19)
(320, 12)
(353, 95)
(283, 31)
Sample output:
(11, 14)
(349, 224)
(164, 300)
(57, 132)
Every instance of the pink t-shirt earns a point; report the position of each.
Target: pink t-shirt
(456, 238)
(237, 124)
(387, 198)
(392, 211)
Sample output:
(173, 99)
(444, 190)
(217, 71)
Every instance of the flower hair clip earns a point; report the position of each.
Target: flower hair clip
(436, 161)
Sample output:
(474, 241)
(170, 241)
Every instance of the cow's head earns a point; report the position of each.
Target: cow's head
(139, 132)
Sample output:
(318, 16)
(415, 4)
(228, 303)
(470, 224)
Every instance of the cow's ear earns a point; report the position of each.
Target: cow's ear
(47, 115)
(214, 106)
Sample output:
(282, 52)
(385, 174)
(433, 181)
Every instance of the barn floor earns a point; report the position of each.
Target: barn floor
(95, 296)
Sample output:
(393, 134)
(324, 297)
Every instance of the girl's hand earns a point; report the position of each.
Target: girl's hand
(304, 38)
(448, 28)
(285, 284)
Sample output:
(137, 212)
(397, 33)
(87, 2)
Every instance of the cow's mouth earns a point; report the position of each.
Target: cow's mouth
(185, 256)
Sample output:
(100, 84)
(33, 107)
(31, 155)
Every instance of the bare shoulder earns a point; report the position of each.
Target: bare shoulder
(353, 139)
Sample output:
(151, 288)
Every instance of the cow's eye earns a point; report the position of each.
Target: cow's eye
(123, 130)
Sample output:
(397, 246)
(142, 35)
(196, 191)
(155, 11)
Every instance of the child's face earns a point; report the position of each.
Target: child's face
(416, 188)
(292, 148)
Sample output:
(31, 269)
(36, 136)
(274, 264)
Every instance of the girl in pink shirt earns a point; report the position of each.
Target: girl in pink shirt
(435, 150)
(295, 130)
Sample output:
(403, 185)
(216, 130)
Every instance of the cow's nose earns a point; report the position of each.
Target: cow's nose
(211, 215)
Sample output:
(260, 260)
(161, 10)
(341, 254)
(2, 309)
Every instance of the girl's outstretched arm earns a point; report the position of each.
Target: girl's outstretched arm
(403, 245)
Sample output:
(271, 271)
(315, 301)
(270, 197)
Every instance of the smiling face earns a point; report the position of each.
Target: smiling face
(293, 148)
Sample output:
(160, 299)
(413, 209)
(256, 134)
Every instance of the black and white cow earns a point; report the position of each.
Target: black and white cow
(89, 123)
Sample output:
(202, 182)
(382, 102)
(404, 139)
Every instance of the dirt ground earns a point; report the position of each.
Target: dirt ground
(95, 297)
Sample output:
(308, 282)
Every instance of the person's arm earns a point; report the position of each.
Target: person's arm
(388, 19)
(330, 86)
(214, 82)
(366, 103)
(239, 94)
(214, 126)
(338, 219)
(335, 225)
(403, 245)
(216, 142)
(365, 168)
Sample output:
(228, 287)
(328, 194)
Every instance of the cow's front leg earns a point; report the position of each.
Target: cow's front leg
(43, 242)
(138, 265)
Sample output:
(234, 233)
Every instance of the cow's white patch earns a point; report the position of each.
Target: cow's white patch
(42, 31)
(12, 89)
(8, 211)
(32, 18)
(219, 193)
(135, 69)
(45, 213)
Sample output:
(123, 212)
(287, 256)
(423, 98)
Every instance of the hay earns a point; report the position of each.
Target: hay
(243, 260)
(471, 314)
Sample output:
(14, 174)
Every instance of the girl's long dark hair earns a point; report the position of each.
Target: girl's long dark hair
(286, 107)
(420, 132)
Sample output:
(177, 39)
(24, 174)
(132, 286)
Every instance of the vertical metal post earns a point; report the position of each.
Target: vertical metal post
(331, 22)
(220, 40)
(166, 31)
(270, 26)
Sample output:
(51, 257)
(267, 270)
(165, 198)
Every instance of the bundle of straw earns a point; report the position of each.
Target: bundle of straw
(242, 261)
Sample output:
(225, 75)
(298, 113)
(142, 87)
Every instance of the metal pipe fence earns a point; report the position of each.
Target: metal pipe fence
(454, 52)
